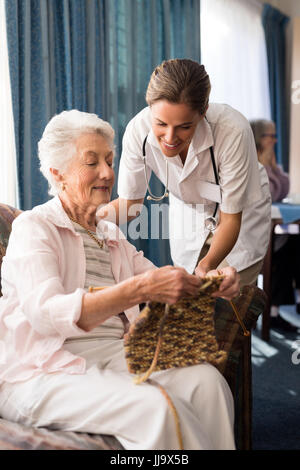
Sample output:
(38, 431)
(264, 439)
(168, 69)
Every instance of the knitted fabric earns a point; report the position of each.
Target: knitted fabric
(180, 335)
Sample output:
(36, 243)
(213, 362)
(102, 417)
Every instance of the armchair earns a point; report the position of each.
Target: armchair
(236, 370)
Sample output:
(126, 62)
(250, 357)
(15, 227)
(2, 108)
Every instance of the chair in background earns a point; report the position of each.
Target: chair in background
(236, 370)
(267, 284)
(267, 266)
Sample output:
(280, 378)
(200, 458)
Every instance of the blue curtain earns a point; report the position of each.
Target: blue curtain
(96, 56)
(142, 33)
(274, 23)
(56, 52)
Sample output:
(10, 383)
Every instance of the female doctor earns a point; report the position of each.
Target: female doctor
(205, 155)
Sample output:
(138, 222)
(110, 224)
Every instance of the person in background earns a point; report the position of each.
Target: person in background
(286, 256)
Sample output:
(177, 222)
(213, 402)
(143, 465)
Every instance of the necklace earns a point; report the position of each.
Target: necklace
(100, 243)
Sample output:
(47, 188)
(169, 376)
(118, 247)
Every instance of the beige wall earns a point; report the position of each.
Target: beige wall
(291, 8)
(288, 7)
(295, 109)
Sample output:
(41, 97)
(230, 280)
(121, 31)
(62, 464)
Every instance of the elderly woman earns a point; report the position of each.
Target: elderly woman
(286, 254)
(62, 354)
(264, 132)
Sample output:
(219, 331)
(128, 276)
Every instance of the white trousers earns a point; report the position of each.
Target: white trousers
(105, 400)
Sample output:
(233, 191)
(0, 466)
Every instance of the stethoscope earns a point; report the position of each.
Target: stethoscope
(210, 222)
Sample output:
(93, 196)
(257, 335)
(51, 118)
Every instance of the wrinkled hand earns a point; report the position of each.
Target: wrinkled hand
(230, 286)
(169, 284)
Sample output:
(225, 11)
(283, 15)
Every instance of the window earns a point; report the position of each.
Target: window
(233, 52)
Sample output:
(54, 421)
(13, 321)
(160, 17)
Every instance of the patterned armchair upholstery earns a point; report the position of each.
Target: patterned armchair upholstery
(237, 372)
(7, 215)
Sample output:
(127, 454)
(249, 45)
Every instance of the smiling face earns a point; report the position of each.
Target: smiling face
(90, 177)
(174, 125)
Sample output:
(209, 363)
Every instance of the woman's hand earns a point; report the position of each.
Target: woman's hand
(267, 155)
(169, 284)
(166, 285)
(230, 286)
(222, 242)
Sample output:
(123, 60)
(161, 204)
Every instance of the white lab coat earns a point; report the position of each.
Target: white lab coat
(192, 187)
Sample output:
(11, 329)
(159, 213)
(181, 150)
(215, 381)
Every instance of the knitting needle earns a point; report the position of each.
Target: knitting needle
(92, 288)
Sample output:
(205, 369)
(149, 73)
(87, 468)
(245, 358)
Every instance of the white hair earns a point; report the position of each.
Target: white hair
(56, 147)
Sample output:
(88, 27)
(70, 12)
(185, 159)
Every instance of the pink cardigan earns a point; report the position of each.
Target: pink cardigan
(43, 274)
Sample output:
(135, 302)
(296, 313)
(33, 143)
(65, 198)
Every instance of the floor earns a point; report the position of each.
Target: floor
(276, 387)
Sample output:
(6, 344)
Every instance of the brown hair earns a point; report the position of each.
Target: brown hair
(180, 81)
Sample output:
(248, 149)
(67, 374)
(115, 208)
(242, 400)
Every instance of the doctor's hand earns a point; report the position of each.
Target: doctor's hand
(230, 286)
(201, 272)
(169, 284)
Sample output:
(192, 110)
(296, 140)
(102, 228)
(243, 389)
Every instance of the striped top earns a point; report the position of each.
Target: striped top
(98, 274)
